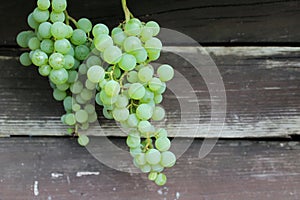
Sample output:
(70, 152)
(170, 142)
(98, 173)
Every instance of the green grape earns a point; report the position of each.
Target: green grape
(93, 60)
(118, 36)
(157, 168)
(145, 127)
(152, 176)
(44, 70)
(85, 126)
(168, 159)
(73, 76)
(76, 87)
(146, 33)
(132, 43)
(132, 120)
(69, 31)
(133, 140)
(127, 62)
(158, 113)
(59, 30)
(140, 55)
(165, 72)
(103, 41)
(82, 69)
(135, 151)
(25, 59)
(83, 140)
(95, 74)
(136, 91)
(68, 102)
(145, 168)
(23, 38)
(40, 15)
(47, 46)
(34, 43)
(153, 54)
(145, 74)
(112, 54)
(69, 62)
(158, 98)
(161, 179)
(44, 30)
(59, 76)
(70, 119)
(102, 83)
(122, 101)
(57, 60)
(133, 27)
(43, 4)
(79, 37)
(70, 131)
(62, 119)
(57, 17)
(81, 52)
(154, 26)
(81, 116)
(161, 133)
(86, 94)
(144, 111)
(85, 25)
(162, 88)
(107, 113)
(132, 77)
(100, 29)
(62, 46)
(63, 87)
(140, 158)
(117, 72)
(39, 58)
(76, 107)
(155, 84)
(120, 114)
(153, 44)
(112, 88)
(90, 85)
(163, 144)
(59, 95)
(107, 100)
(76, 64)
(71, 52)
(89, 108)
(59, 5)
(153, 156)
(32, 22)
(93, 117)
(147, 97)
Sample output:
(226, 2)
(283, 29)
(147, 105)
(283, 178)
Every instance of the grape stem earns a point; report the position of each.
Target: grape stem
(69, 18)
(128, 14)
(148, 142)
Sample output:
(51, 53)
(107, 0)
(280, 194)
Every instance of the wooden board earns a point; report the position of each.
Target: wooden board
(262, 87)
(57, 168)
(224, 21)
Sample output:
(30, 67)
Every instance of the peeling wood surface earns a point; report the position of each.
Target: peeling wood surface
(218, 21)
(262, 88)
(48, 168)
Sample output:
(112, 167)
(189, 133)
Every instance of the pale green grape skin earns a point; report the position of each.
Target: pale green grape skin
(112, 54)
(165, 72)
(140, 159)
(83, 69)
(68, 102)
(136, 91)
(69, 31)
(161, 133)
(162, 88)
(107, 100)
(132, 120)
(152, 176)
(157, 168)
(95, 74)
(127, 62)
(62, 46)
(145, 74)
(73, 76)
(154, 26)
(70, 119)
(145, 168)
(76, 87)
(34, 43)
(85, 126)
(76, 107)
(86, 94)
(79, 37)
(57, 60)
(132, 77)
(145, 127)
(81, 116)
(107, 113)
(93, 117)
(122, 101)
(31, 22)
(69, 62)
(23, 38)
(43, 4)
(161, 179)
(153, 156)
(93, 60)
(47, 46)
(90, 85)
(79, 99)
(59, 30)
(25, 59)
(83, 140)
(62, 119)
(118, 36)
(63, 87)
(40, 15)
(133, 141)
(89, 108)
(168, 159)
(76, 64)
(153, 44)
(163, 144)
(59, 95)
(44, 70)
(81, 52)
(146, 33)
(135, 151)
(57, 17)
(155, 84)
(44, 30)
(144, 111)
(140, 55)
(120, 114)
(59, 5)
(39, 58)
(100, 29)
(132, 43)
(158, 98)
(158, 113)
(102, 42)
(70, 131)
(112, 88)
(132, 27)
(59, 76)
(85, 25)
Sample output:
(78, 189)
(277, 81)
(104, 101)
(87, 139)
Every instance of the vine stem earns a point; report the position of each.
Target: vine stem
(69, 18)
(127, 13)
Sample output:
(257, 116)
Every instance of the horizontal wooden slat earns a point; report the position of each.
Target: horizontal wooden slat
(206, 21)
(57, 168)
(262, 87)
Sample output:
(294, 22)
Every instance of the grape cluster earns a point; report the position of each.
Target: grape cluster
(86, 63)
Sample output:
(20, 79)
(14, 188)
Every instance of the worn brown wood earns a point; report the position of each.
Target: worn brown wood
(50, 168)
(224, 21)
(262, 87)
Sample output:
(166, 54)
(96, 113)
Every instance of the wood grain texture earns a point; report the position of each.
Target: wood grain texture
(219, 21)
(262, 87)
(57, 168)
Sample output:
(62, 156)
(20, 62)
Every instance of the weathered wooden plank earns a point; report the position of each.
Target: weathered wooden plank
(56, 168)
(262, 87)
(206, 21)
